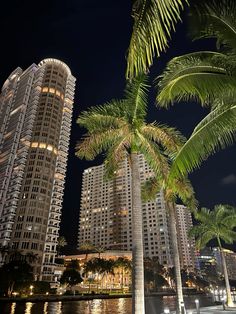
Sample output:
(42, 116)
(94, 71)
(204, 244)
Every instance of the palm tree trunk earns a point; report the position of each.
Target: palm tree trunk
(179, 292)
(229, 301)
(137, 240)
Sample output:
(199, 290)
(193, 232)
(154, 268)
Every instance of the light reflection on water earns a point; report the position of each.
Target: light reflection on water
(154, 305)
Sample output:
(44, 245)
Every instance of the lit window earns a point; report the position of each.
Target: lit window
(50, 148)
(52, 90)
(42, 145)
(45, 89)
(34, 144)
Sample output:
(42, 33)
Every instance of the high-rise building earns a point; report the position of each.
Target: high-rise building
(35, 121)
(105, 215)
(186, 245)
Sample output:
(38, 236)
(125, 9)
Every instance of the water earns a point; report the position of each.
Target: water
(154, 305)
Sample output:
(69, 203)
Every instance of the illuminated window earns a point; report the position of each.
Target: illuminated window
(52, 90)
(45, 89)
(34, 144)
(58, 93)
(50, 148)
(42, 145)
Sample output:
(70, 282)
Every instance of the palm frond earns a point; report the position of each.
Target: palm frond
(170, 138)
(215, 132)
(216, 19)
(154, 157)
(117, 152)
(183, 188)
(153, 23)
(92, 145)
(200, 76)
(150, 188)
(136, 99)
(110, 115)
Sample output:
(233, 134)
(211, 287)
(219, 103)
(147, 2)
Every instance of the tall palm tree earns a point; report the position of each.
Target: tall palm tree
(173, 189)
(119, 129)
(217, 224)
(209, 77)
(154, 20)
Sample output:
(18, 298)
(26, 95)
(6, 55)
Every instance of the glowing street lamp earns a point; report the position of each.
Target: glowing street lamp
(31, 289)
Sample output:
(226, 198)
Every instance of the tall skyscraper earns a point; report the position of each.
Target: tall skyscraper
(35, 121)
(187, 245)
(105, 215)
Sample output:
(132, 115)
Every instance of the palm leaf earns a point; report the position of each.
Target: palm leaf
(218, 20)
(102, 117)
(136, 99)
(200, 76)
(170, 138)
(215, 132)
(153, 22)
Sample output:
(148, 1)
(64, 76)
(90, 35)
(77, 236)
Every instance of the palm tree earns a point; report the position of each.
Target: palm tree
(119, 129)
(61, 242)
(182, 189)
(209, 77)
(87, 247)
(125, 265)
(31, 257)
(154, 21)
(217, 224)
(99, 249)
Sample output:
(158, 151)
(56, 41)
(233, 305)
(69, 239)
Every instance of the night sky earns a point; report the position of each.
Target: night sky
(92, 38)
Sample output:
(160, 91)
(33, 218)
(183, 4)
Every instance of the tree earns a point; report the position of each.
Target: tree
(119, 129)
(217, 224)
(61, 242)
(71, 277)
(15, 272)
(99, 250)
(153, 23)
(100, 267)
(173, 189)
(31, 257)
(126, 266)
(87, 247)
(209, 77)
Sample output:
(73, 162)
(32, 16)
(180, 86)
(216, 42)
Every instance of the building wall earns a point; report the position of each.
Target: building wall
(105, 215)
(35, 144)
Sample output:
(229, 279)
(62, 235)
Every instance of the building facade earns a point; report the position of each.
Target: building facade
(186, 245)
(105, 215)
(35, 119)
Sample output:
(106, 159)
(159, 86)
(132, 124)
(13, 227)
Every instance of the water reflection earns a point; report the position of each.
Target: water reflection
(28, 308)
(153, 305)
(13, 308)
(45, 308)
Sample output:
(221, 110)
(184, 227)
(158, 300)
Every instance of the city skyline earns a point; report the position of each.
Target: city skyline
(96, 55)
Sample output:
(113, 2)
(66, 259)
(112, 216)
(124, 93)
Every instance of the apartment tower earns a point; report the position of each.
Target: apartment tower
(105, 214)
(35, 121)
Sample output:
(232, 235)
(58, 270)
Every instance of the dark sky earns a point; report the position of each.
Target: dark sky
(92, 38)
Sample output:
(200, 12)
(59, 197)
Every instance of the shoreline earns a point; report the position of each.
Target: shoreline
(86, 297)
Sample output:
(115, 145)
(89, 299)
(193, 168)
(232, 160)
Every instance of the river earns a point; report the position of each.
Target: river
(154, 305)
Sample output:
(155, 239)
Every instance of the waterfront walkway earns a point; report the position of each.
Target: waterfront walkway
(212, 310)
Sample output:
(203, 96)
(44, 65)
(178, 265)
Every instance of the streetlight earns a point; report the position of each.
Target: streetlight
(197, 306)
(31, 289)
(166, 311)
